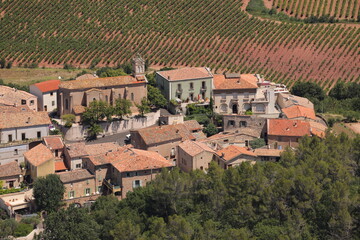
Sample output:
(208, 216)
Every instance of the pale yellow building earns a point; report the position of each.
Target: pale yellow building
(39, 162)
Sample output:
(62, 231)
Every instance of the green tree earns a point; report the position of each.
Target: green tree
(126, 230)
(210, 129)
(48, 192)
(72, 223)
(257, 143)
(94, 130)
(96, 112)
(122, 107)
(143, 107)
(155, 97)
(308, 90)
(110, 72)
(69, 119)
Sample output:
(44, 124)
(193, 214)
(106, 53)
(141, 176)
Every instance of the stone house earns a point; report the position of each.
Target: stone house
(46, 92)
(10, 175)
(190, 83)
(282, 133)
(232, 123)
(13, 152)
(75, 95)
(20, 125)
(194, 155)
(238, 94)
(20, 201)
(39, 161)
(233, 155)
(267, 154)
(119, 172)
(165, 138)
(79, 186)
(14, 97)
(75, 152)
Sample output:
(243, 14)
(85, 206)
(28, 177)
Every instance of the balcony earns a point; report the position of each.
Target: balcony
(259, 100)
(179, 90)
(203, 88)
(223, 100)
(112, 187)
(191, 89)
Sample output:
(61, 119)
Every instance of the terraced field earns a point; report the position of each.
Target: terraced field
(340, 9)
(210, 33)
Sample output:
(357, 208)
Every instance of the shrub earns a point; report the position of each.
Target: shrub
(23, 229)
(69, 119)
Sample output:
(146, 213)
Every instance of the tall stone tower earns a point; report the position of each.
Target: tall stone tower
(138, 64)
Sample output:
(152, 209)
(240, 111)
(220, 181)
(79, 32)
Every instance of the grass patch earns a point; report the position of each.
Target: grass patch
(339, 128)
(27, 76)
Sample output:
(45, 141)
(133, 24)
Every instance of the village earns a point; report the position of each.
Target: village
(259, 119)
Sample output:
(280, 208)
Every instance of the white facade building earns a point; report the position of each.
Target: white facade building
(46, 93)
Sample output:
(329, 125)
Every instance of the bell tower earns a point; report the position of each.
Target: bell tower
(138, 64)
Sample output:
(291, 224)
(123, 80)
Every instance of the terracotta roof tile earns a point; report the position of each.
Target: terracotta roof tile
(288, 127)
(233, 151)
(76, 149)
(60, 166)
(296, 111)
(290, 100)
(9, 169)
(87, 76)
(101, 148)
(193, 148)
(11, 96)
(317, 129)
(78, 109)
(177, 132)
(268, 152)
(54, 142)
(38, 155)
(48, 86)
(99, 82)
(23, 119)
(75, 175)
(128, 159)
(186, 73)
(14, 109)
(246, 81)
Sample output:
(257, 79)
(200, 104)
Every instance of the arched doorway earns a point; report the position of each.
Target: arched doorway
(235, 109)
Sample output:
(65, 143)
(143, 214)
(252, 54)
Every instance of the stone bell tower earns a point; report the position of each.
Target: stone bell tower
(138, 64)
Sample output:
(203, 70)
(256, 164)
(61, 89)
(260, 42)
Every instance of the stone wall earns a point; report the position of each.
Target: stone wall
(79, 132)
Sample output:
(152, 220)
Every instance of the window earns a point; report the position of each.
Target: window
(38, 134)
(78, 165)
(10, 138)
(53, 103)
(31, 102)
(243, 123)
(66, 104)
(136, 183)
(23, 136)
(52, 93)
(172, 154)
(246, 143)
(71, 194)
(179, 96)
(203, 95)
(191, 85)
(179, 86)
(56, 153)
(99, 189)
(128, 174)
(16, 152)
(132, 96)
(231, 123)
(23, 101)
(203, 84)
(191, 96)
(87, 191)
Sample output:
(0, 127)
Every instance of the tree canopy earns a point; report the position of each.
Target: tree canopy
(48, 192)
(311, 193)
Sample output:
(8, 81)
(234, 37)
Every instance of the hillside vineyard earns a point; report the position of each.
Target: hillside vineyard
(340, 9)
(171, 32)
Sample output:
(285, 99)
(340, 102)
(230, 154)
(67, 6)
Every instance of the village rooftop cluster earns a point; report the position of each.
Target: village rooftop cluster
(251, 108)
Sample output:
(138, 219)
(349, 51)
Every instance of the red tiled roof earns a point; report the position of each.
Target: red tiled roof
(38, 155)
(245, 81)
(101, 148)
(127, 159)
(186, 73)
(9, 169)
(75, 175)
(99, 82)
(296, 111)
(288, 127)
(24, 119)
(177, 132)
(60, 166)
(268, 152)
(54, 142)
(48, 86)
(193, 148)
(233, 151)
(317, 129)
